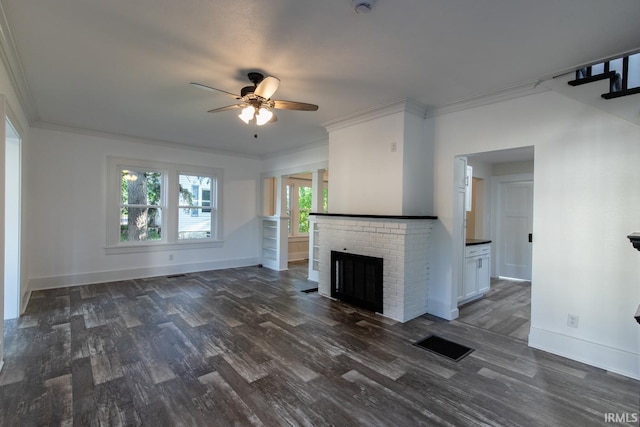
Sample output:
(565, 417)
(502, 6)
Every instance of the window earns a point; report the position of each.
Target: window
(140, 204)
(194, 221)
(159, 206)
(304, 208)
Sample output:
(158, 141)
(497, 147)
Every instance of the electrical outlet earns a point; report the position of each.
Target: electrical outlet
(170, 257)
(394, 147)
(572, 320)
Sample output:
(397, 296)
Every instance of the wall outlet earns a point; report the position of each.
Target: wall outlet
(394, 147)
(572, 320)
(170, 257)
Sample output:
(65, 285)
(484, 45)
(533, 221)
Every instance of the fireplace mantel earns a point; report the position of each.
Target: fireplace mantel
(403, 242)
(374, 216)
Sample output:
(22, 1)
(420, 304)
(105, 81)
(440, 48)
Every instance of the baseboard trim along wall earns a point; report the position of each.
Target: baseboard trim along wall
(441, 309)
(611, 359)
(41, 283)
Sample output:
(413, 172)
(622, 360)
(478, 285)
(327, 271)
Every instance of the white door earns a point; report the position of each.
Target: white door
(515, 226)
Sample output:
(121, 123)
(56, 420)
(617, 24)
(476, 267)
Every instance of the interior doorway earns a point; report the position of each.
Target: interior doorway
(485, 221)
(12, 222)
(288, 231)
(514, 232)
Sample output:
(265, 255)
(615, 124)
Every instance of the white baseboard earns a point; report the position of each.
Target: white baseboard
(26, 296)
(40, 283)
(441, 309)
(298, 256)
(601, 356)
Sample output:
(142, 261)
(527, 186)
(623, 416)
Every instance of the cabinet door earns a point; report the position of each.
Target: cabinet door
(470, 280)
(484, 273)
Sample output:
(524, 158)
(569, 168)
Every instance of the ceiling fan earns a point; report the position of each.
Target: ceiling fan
(256, 101)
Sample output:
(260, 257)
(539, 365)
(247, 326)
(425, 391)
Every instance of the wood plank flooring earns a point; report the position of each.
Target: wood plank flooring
(505, 309)
(246, 347)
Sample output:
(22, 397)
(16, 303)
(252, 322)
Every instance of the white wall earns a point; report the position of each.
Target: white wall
(513, 168)
(586, 201)
(366, 177)
(417, 179)
(296, 161)
(67, 232)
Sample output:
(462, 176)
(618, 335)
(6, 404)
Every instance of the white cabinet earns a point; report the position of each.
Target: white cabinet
(477, 272)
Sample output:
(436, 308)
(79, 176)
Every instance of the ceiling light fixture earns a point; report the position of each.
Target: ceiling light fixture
(247, 114)
(362, 7)
(263, 116)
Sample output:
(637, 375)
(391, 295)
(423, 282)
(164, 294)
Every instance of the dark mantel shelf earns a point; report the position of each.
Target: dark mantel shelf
(635, 239)
(473, 242)
(374, 216)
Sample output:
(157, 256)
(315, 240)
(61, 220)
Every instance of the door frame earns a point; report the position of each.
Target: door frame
(496, 183)
(17, 309)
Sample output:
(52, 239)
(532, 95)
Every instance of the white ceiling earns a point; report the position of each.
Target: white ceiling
(123, 66)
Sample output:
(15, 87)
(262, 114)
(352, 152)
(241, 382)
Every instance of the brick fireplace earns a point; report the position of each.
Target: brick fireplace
(403, 242)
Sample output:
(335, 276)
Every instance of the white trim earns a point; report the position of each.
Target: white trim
(26, 297)
(406, 105)
(15, 70)
(52, 282)
(609, 358)
(507, 94)
(153, 246)
(441, 309)
(168, 206)
(298, 256)
(138, 140)
(317, 142)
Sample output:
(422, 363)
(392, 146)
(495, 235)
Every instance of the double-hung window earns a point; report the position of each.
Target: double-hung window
(141, 204)
(195, 213)
(162, 206)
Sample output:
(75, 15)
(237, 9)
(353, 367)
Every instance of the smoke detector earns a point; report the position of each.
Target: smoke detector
(362, 7)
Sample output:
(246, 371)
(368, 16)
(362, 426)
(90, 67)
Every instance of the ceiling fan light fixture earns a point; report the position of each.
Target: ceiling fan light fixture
(247, 114)
(263, 116)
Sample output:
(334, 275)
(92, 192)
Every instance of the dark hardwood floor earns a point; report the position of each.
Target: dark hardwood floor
(246, 347)
(505, 309)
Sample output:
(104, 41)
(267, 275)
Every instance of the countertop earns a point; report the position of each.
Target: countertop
(472, 242)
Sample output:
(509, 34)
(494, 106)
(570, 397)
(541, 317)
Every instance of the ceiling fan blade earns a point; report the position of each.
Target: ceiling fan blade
(213, 89)
(267, 87)
(228, 107)
(293, 105)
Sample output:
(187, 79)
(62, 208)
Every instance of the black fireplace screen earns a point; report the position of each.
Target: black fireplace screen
(357, 279)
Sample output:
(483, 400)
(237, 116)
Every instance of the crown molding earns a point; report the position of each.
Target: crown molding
(12, 63)
(138, 140)
(406, 105)
(314, 143)
(490, 98)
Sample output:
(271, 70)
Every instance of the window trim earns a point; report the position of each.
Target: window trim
(169, 205)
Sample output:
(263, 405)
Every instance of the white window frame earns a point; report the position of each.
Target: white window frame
(214, 188)
(169, 206)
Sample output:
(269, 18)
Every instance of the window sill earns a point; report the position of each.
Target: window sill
(158, 247)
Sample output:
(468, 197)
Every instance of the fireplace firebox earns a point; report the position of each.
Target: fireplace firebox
(357, 279)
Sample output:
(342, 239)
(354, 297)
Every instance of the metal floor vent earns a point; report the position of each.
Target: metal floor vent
(444, 347)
